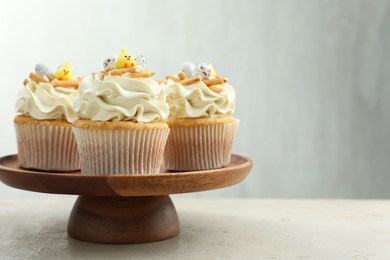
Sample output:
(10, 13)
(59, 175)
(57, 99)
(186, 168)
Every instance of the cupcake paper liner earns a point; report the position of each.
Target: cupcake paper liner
(48, 148)
(120, 151)
(199, 147)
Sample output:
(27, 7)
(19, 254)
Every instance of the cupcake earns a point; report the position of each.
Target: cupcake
(202, 128)
(122, 119)
(44, 123)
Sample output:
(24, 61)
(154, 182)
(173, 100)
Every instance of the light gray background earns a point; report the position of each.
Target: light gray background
(312, 78)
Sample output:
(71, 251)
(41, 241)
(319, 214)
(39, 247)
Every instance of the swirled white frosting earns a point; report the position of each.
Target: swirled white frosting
(44, 102)
(120, 98)
(198, 100)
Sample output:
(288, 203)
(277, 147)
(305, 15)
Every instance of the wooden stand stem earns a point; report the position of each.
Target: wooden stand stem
(123, 220)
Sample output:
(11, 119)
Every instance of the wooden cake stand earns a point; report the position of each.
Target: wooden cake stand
(123, 209)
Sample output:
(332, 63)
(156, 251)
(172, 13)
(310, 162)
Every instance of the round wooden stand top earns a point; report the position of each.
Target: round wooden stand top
(163, 183)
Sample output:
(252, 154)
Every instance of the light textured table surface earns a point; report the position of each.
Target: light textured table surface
(212, 229)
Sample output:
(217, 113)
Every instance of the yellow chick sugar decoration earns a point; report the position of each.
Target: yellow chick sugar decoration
(213, 74)
(124, 60)
(64, 72)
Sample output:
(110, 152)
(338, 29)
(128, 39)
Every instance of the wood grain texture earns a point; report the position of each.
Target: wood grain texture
(123, 209)
(118, 220)
(123, 185)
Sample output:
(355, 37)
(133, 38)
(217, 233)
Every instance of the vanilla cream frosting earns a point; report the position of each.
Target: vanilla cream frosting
(198, 100)
(42, 101)
(120, 98)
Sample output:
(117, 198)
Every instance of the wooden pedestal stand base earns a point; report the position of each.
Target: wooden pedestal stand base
(123, 209)
(123, 220)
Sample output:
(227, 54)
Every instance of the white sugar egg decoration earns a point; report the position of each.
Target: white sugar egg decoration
(109, 63)
(41, 69)
(140, 61)
(203, 70)
(188, 68)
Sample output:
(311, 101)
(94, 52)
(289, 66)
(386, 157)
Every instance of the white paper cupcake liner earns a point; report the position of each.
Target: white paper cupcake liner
(48, 148)
(120, 151)
(199, 147)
